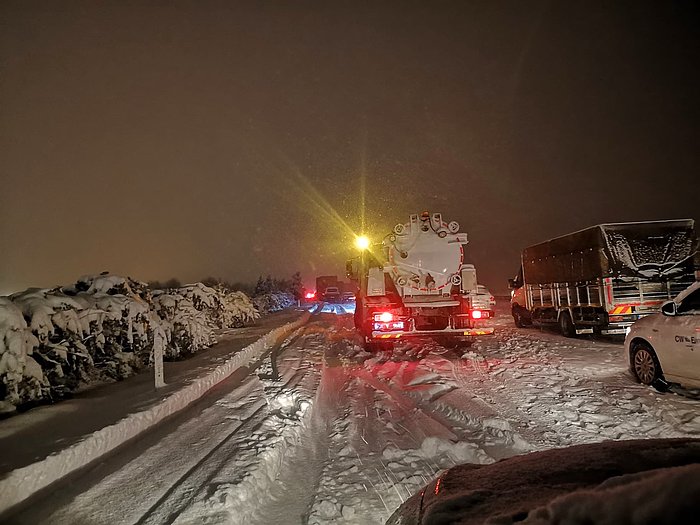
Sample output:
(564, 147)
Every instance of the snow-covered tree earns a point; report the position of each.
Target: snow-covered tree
(104, 327)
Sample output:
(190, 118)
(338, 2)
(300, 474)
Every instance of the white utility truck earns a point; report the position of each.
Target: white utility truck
(415, 283)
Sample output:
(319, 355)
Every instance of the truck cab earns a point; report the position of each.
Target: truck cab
(518, 301)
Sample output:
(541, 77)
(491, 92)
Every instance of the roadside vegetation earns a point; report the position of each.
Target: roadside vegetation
(54, 342)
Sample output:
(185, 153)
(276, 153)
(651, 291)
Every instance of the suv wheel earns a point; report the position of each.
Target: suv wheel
(645, 364)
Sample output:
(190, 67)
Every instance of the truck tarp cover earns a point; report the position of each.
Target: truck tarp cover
(649, 250)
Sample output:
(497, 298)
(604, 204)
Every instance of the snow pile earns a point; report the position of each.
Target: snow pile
(257, 475)
(441, 452)
(237, 309)
(103, 328)
(362, 486)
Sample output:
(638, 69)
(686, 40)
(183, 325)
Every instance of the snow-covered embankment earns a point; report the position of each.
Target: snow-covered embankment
(26, 481)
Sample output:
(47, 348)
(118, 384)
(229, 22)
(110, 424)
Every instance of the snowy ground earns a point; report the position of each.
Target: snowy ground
(321, 432)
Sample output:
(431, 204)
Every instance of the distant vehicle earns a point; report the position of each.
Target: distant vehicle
(348, 297)
(331, 294)
(325, 281)
(415, 284)
(607, 482)
(604, 278)
(666, 346)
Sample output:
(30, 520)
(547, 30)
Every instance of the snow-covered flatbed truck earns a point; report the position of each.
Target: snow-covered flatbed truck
(604, 278)
(415, 284)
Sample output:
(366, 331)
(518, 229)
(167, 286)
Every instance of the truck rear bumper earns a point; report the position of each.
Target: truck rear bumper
(463, 332)
(619, 329)
(616, 330)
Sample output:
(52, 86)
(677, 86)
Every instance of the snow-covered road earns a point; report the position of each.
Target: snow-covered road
(320, 431)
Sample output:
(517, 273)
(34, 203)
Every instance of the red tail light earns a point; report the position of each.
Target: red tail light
(384, 317)
(480, 314)
(387, 322)
(310, 295)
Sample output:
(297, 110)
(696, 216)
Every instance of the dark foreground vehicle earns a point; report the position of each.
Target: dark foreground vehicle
(614, 482)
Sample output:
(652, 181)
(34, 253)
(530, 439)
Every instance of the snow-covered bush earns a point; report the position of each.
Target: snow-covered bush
(274, 301)
(193, 313)
(103, 327)
(22, 377)
(54, 321)
(238, 309)
(187, 329)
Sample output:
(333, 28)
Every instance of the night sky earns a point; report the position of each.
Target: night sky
(232, 139)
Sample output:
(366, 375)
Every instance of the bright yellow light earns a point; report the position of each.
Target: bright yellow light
(362, 242)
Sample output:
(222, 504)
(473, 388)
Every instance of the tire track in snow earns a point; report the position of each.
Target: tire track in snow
(278, 483)
(192, 483)
(572, 391)
(130, 490)
(434, 387)
(501, 426)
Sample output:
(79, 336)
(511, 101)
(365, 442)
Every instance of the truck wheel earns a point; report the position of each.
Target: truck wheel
(566, 325)
(645, 364)
(520, 320)
(517, 319)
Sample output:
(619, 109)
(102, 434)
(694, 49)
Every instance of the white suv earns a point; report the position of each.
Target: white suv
(666, 346)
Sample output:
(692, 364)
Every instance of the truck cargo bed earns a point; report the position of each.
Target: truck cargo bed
(655, 250)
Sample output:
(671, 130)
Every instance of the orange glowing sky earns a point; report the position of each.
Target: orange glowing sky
(234, 139)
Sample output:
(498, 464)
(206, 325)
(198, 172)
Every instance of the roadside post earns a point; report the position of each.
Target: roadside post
(159, 374)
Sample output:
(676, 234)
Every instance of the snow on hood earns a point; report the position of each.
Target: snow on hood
(669, 495)
(655, 256)
(611, 482)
